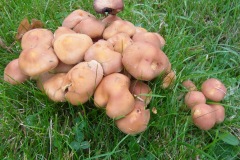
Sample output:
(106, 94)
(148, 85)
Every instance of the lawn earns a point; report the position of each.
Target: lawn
(202, 41)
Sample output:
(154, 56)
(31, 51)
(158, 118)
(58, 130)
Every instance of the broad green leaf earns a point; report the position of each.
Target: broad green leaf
(75, 145)
(229, 139)
(85, 145)
(79, 136)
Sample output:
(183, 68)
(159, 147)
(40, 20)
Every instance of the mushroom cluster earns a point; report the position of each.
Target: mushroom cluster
(204, 115)
(111, 60)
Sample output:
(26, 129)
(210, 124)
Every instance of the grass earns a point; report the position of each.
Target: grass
(202, 41)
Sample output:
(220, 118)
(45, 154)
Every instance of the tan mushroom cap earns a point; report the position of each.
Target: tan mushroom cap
(144, 61)
(140, 29)
(75, 17)
(60, 31)
(120, 41)
(34, 61)
(136, 121)
(189, 85)
(52, 87)
(37, 38)
(219, 112)
(113, 93)
(102, 51)
(141, 91)
(62, 68)
(109, 19)
(119, 26)
(13, 74)
(70, 48)
(81, 81)
(42, 78)
(194, 98)
(150, 37)
(90, 26)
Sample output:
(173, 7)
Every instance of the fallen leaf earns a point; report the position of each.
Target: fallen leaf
(23, 27)
(36, 24)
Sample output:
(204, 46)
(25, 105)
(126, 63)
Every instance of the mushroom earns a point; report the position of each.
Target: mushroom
(52, 87)
(37, 38)
(193, 98)
(90, 26)
(108, 6)
(62, 68)
(214, 89)
(114, 95)
(120, 42)
(150, 37)
(219, 112)
(119, 26)
(34, 61)
(42, 78)
(13, 74)
(70, 48)
(136, 121)
(60, 31)
(169, 79)
(140, 29)
(109, 19)
(145, 61)
(81, 82)
(75, 17)
(102, 51)
(141, 91)
(203, 116)
(189, 85)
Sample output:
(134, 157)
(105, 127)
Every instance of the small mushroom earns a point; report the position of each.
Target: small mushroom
(60, 31)
(136, 121)
(203, 116)
(114, 95)
(149, 37)
(62, 68)
(70, 48)
(141, 91)
(193, 98)
(219, 111)
(35, 61)
(140, 29)
(81, 82)
(13, 74)
(189, 85)
(214, 89)
(90, 26)
(169, 79)
(75, 17)
(145, 61)
(119, 26)
(108, 6)
(42, 78)
(120, 42)
(102, 51)
(38, 37)
(109, 19)
(52, 87)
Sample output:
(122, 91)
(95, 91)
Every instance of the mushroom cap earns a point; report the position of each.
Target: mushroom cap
(81, 81)
(13, 74)
(113, 93)
(144, 61)
(120, 42)
(189, 85)
(102, 51)
(119, 26)
(203, 116)
(90, 26)
(75, 17)
(110, 6)
(169, 79)
(140, 29)
(42, 78)
(34, 61)
(138, 89)
(70, 48)
(109, 19)
(193, 98)
(60, 31)
(219, 111)
(62, 68)
(149, 37)
(52, 87)
(38, 37)
(136, 121)
(214, 89)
